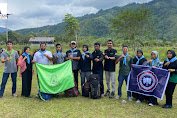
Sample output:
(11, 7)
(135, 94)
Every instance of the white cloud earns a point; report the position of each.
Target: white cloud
(36, 13)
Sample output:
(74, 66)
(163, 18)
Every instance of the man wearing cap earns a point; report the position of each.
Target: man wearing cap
(74, 54)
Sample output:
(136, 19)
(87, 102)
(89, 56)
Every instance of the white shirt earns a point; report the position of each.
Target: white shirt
(42, 60)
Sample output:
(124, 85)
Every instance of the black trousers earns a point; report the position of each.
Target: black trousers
(76, 77)
(169, 92)
(152, 100)
(26, 83)
(138, 96)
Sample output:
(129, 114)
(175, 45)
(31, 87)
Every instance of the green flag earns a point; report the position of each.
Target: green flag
(54, 79)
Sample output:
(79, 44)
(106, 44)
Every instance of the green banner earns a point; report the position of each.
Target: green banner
(54, 79)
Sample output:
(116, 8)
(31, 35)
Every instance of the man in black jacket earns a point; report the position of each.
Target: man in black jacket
(98, 65)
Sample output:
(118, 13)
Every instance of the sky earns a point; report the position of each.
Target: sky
(37, 13)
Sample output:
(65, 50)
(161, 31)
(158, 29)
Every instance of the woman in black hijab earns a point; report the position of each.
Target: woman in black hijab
(139, 60)
(25, 62)
(171, 65)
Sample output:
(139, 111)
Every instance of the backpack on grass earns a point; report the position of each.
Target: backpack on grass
(95, 86)
(86, 89)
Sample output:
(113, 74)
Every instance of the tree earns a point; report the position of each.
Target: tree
(132, 24)
(71, 26)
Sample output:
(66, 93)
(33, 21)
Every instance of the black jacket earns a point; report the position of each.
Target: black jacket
(85, 64)
(109, 65)
(97, 65)
(140, 62)
(171, 66)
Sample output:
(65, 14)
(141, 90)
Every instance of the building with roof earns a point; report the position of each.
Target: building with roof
(36, 41)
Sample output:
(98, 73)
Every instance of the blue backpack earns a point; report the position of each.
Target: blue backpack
(44, 96)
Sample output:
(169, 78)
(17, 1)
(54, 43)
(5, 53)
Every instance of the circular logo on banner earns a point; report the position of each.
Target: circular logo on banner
(147, 81)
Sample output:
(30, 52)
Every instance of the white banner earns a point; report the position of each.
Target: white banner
(3, 10)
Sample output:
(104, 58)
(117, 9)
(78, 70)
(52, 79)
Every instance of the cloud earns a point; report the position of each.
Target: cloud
(36, 13)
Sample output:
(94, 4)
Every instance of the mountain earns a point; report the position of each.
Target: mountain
(164, 13)
(2, 29)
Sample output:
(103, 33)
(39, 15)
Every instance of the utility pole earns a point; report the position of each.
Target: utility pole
(7, 28)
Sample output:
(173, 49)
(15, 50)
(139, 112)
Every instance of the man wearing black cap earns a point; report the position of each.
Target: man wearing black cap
(74, 54)
(85, 65)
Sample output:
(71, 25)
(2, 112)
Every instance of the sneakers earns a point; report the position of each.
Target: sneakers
(138, 101)
(112, 95)
(107, 93)
(37, 96)
(14, 95)
(167, 106)
(130, 99)
(150, 104)
(30, 96)
(117, 97)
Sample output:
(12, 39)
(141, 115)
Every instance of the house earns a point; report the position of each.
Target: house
(36, 41)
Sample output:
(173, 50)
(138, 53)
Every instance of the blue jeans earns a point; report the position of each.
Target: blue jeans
(100, 73)
(4, 81)
(121, 79)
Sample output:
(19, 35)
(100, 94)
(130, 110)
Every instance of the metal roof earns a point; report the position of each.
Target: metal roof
(42, 39)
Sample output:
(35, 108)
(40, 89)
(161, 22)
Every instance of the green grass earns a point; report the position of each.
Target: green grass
(80, 106)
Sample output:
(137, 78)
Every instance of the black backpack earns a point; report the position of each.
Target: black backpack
(86, 89)
(95, 86)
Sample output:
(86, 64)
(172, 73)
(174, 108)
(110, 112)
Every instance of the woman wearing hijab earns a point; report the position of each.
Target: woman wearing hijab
(171, 65)
(154, 62)
(85, 65)
(139, 60)
(59, 56)
(25, 62)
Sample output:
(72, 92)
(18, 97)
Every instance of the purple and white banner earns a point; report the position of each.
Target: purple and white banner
(149, 81)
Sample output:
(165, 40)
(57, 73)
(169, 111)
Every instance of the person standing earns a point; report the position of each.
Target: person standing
(42, 56)
(10, 58)
(59, 56)
(98, 58)
(125, 67)
(170, 64)
(154, 62)
(74, 54)
(26, 70)
(85, 65)
(109, 67)
(139, 60)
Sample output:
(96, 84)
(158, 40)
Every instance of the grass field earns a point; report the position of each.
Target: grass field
(80, 106)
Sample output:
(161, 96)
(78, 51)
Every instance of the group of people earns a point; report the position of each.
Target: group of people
(82, 62)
